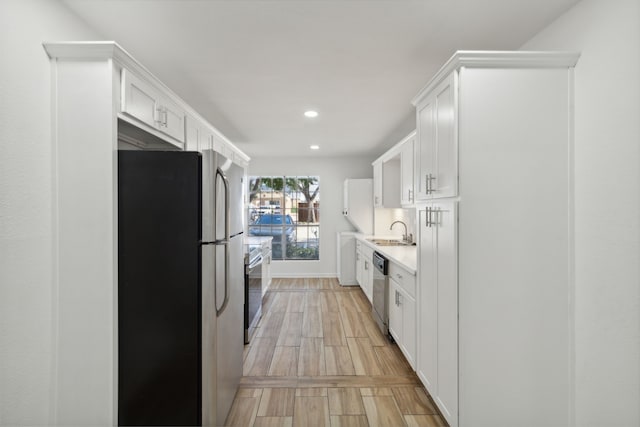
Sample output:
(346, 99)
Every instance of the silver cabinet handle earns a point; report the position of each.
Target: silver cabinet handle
(410, 195)
(429, 184)
(162, 116)
(399, 276)
(376, 200)
(159, 120)
(366, 265)
(430, 220)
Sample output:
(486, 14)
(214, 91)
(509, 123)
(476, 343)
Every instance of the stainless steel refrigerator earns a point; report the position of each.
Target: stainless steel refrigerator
(180, 287)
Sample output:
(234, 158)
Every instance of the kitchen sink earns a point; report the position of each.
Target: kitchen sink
(389, 242)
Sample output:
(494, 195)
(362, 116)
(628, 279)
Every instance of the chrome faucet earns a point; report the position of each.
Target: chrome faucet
(405, 237)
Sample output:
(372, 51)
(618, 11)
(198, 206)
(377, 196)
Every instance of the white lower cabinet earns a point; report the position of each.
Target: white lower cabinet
(367, 272)
(438, 299)
(364, 268)
(402, 316)
(359, 263)
(266, 266)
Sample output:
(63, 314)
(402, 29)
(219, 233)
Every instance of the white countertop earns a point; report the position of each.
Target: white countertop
(405, 256)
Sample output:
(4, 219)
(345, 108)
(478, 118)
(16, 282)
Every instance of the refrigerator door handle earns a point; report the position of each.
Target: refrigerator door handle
(225, 242)
(226, 279)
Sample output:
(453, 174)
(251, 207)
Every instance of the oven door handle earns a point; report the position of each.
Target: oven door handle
(255, 262)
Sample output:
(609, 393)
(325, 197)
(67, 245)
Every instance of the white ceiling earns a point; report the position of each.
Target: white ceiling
(253, 67)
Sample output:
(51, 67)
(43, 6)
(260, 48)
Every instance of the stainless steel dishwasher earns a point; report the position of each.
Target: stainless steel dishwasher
(380, 307)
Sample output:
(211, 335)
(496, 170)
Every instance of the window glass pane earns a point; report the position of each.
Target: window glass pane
(286, 208)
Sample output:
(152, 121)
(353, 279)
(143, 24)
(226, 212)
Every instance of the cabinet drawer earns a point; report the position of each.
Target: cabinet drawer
(404, 278)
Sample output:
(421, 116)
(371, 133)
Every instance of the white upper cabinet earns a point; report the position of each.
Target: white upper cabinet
(151, 106)
(377, 184)
(199, 137)
(425, 145)
(407, 197)
(437, 163)
(393, 175)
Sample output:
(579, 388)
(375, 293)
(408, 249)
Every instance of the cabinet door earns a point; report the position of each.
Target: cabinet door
(406, 173)
(345, 198)
(427, 294)
(206, 140)
(408, 308)
(359, 269)
(139, 99)
(425, 147)
(377, 185)
(367, 276)
(445, 226)
(395, 314)
(192, 131)
(445, 168)
(172, 122)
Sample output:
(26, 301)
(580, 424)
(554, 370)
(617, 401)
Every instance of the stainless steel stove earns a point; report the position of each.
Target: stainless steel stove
(252, 290)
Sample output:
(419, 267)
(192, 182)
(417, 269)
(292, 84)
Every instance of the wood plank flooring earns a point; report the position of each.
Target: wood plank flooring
(318, 359)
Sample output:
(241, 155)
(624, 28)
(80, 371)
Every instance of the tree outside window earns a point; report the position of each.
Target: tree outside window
(288, 209)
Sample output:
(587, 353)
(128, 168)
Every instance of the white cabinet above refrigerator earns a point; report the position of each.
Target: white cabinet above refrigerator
(358, 204)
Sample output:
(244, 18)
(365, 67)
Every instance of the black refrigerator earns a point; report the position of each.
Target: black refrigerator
(180, 287)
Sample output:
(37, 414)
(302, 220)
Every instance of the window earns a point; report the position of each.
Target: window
(288, 209)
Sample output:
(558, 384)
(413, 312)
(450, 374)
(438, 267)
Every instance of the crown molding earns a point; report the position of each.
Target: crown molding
(498, 59)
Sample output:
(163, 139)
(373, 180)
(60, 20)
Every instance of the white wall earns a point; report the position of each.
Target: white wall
(332, 172)
(385, 217)
(607, 214)
(26, 346)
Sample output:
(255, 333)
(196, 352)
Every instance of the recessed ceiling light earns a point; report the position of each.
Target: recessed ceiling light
(311, 113)
(314, 147)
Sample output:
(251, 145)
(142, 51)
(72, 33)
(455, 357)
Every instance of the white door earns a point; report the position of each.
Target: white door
(377, 185)
(395, 314)
(139, 100)
(445, 172)
(427, 293)
(345, 197)
(445, 226)
(408, 308)
(359, 268)
(172, 122)
(425, 148)
(367, 273)
(406, 172)
(192, 130)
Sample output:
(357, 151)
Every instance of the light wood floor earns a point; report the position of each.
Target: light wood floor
(318, 359)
